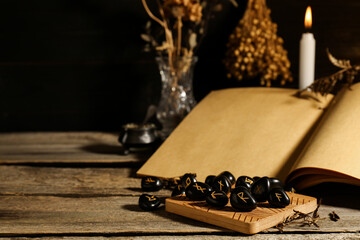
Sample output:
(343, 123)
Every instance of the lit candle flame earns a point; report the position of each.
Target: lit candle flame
(308, 18)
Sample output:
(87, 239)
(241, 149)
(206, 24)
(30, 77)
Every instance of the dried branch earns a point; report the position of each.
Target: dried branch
(333, 216)
(336, 62)
(186, 14)
(233, 2)
(328, 84)
(151, 15)
(301, 218)
(168, 36)
(179, 27)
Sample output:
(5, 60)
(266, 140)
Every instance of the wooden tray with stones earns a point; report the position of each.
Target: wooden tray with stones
(259, 219)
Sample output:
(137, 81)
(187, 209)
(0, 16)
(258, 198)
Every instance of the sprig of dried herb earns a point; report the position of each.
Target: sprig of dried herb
(332, 83)
(333, 216)
(309, 219)
(301, 218)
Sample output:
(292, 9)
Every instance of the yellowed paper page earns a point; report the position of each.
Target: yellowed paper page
(248, 131)
(336, 145)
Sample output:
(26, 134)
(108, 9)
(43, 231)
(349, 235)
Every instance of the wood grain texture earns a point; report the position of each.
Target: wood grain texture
(83, 202)
(225, 236)
(68, 138)
(58, 215)
(69, 148)
(259, 219)
(32, 215)
(81, 182)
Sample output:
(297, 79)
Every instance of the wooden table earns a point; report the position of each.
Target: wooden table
(77, 185)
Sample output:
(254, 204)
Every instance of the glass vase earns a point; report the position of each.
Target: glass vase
(177, 98)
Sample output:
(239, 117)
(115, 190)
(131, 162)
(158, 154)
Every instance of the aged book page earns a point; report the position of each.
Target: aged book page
(334, 152)
(248, 131)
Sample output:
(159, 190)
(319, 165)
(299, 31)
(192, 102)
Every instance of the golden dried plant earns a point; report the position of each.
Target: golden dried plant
(254, 49)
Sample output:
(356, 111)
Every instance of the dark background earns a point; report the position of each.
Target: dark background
(79, 65)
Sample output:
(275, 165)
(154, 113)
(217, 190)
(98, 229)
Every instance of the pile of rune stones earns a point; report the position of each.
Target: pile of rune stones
(244, 192)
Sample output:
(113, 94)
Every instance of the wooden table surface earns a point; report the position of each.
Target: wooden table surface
(77, 185)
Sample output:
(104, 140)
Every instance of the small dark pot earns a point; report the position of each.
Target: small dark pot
(134, 135)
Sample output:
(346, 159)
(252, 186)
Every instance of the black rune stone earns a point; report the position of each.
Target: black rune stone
(197, 191)
(149, 202)
(260, 189)
(178, 190)
(241, 199)
(256, 178)
(275, 183)
(244, 181)
(151, 184)
(210, 179)
(217, 199)
(278, 198)
(229, 176)
(187, 179)
(222, 183)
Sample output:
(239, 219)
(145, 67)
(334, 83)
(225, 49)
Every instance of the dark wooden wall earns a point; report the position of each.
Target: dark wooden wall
(79, 65)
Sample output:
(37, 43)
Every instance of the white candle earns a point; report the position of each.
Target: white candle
(307, 54)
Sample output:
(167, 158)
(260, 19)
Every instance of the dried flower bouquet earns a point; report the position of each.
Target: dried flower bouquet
(183, 23)
(255, 49)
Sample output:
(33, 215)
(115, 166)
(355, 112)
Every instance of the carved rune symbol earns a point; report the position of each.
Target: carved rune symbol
(241, 196)
(278, 195)
(152, 198)
(199, 188)
(179, 187)
(187, 181)
(213, 194)
(258, 189)
(249, 180)
(220, 185)
(149, 180)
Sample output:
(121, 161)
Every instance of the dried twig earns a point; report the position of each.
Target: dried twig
(179, 27)
(151, 15)
(301, 218)
(333, 216)
(328, 84)
(190, 18)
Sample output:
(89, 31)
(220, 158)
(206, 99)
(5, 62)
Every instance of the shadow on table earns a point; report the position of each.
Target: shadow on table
(102, 149)
(134, 157)
(336, 194)
(139, 190)
(136, 208)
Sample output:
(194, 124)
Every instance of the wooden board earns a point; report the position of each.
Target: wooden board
(261, 218)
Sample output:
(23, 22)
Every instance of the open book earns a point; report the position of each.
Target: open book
(266, 132)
